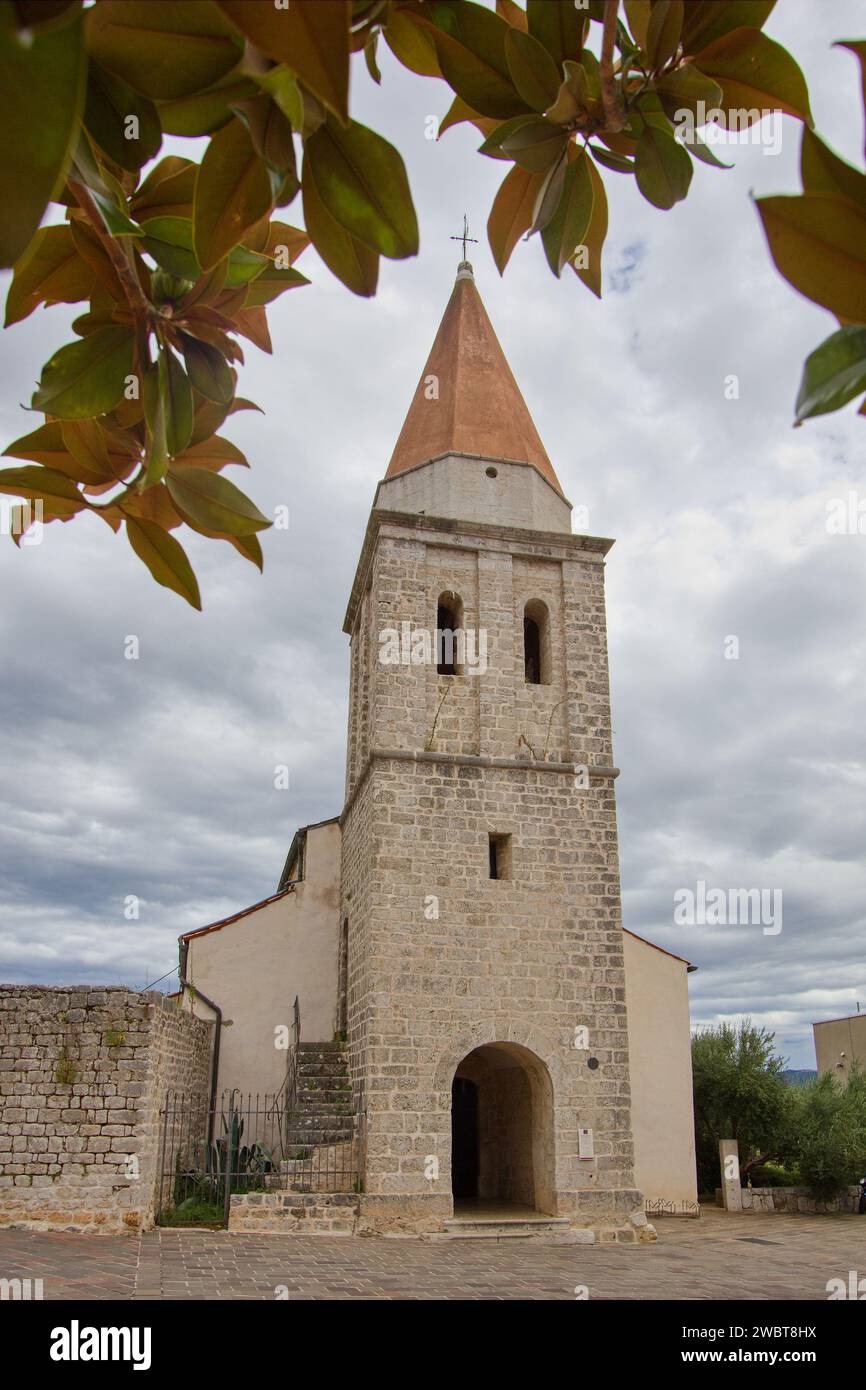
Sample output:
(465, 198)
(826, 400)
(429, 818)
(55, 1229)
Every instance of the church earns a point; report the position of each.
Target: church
(450, 946)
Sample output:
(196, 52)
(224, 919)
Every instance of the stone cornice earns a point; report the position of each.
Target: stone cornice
(598, 774)
(451, 532)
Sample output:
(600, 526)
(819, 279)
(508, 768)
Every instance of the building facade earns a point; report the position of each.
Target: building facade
(476, 961)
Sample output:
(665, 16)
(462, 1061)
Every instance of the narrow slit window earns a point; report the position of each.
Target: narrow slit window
(532, 651)
(536, 643)
(449, 619)
(499, 850)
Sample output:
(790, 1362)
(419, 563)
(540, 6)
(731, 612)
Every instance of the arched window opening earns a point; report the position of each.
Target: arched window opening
(449, 623)
(536, 643)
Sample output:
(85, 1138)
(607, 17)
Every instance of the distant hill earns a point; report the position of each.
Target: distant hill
(799, 1078)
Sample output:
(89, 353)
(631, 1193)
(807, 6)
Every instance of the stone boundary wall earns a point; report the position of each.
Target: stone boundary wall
(83, 1073)
(794, 1199)
(294, 1213)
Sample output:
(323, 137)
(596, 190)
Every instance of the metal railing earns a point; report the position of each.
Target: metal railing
(255, 1147)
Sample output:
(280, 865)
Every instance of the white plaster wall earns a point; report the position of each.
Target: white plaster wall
(660, 1061)
(253, 968)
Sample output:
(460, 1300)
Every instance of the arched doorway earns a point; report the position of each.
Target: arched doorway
(502, 1148)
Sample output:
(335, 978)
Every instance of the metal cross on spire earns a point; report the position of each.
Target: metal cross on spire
(465, 237)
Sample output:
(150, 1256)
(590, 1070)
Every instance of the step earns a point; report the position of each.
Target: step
(327, 1095)
(319, 1119)
(321, 1046)
(301, 1138)
(322, 1068)
(507, 1228)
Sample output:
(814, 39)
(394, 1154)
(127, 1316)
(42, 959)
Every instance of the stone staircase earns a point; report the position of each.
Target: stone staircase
(323, 1114)
(315, 1191)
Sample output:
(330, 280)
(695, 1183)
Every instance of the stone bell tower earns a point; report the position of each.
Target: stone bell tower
(485, 996)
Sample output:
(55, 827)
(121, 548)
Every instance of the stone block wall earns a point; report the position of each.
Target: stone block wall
(442, 959)
(83, 1075)
(795, 1199)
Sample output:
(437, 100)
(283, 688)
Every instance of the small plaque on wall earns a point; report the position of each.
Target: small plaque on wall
(586, 1149)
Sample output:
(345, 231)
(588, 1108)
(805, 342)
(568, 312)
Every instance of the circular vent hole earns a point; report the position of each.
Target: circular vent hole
(492, 472)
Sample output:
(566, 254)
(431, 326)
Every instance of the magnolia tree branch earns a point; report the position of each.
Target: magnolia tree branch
(138, 302)
(614, 114)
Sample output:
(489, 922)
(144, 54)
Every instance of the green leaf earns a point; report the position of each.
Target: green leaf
(834, 373)
(232, 193)
(271, 135)
(711, 19)
(362, 182)
(42, 77)
(212, 453)
(161, 48)
(637, 12)
(50, 272)
(282, 86)
(169, 240)
(153, 399)
(492, 145)
(572, 96)
(370, 56)
(35, 482)
(511, 214)
(536, 145)
(208, 370)
(124, 124)
(470, 47)
(349, 259)
(310, 36)
(167, 191)
(244, 266)
(86, 378)
(209, 500)
(663, 32)
(699, 148)
(174, 385)
(755, 74)
(618, 162)
(662, 168)
(822, 171)
(686, 87)
(115, 219)
(202, 113)
(568, 225)
(858, 48)
(590, 273)
(558, 28)
(533, 71)
(88, 449)
(818, 242)
(271, 283)
(411, 45)
(43, 445)
(165, 558)
(549, 194)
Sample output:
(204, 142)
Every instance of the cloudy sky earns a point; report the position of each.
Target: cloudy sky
(155, 777)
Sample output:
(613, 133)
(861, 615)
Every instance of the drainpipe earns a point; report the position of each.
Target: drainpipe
(215, 1062)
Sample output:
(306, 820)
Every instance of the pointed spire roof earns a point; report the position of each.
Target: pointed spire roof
(479, 409)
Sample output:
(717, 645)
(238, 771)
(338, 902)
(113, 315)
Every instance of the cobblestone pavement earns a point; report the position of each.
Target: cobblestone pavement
(717, 1257)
